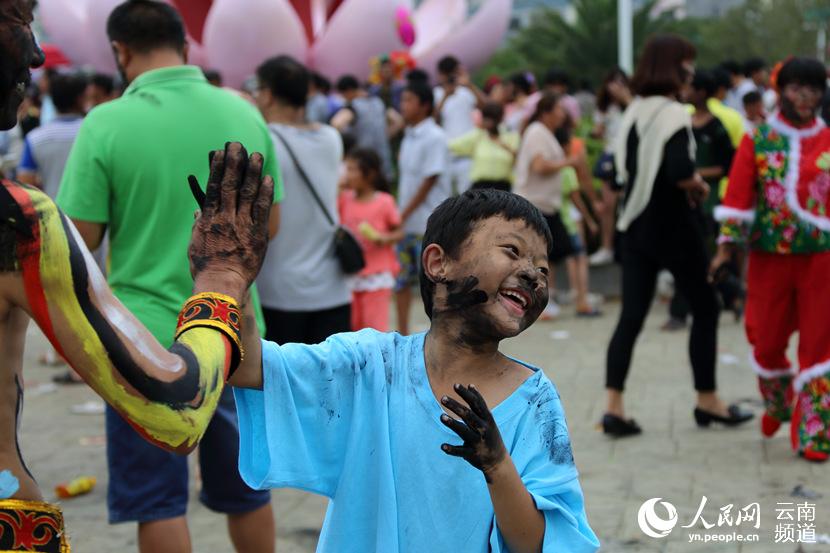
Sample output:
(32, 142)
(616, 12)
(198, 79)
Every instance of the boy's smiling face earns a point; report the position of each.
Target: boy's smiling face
(496, 285)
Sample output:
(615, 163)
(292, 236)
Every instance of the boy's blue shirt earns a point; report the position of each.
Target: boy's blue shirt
(355, 419)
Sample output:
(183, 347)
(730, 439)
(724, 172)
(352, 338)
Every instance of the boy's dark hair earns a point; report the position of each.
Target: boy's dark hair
(417, 75)
(803, 71)
(520, 81)
(557, 77)
(493, 111)
(422, 91)
(347, 83)
(722, 78)
(703, 80)
(369, 163)
(321, 83)
(448, 65)
(146, 25)
(825, 107)
(751, 98)
(731, 67)
(752, 65)
(452, 222)
(67, 91)
(660, 68)
(104, 82)
(286, 79)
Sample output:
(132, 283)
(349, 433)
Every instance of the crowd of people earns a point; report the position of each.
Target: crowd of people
(408, 183)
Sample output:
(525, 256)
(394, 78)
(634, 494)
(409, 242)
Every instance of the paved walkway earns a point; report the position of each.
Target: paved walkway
(672, 460)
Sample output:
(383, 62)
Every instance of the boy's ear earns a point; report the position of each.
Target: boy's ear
(434, 262)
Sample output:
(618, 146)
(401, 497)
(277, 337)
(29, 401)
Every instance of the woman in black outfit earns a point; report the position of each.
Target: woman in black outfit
(660, 228)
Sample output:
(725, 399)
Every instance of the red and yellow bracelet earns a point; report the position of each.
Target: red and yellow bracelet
(217, 311)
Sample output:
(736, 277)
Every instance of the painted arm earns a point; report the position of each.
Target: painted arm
(168, 396)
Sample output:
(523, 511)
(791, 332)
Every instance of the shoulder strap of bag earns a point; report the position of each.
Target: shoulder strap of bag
(303, 175)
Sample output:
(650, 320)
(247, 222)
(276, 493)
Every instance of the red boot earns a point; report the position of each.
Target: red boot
(815, 456)
(769, 425)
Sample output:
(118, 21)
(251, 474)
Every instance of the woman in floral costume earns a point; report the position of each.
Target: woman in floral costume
(777, 201)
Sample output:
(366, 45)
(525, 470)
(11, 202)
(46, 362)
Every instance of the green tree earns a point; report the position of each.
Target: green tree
(587, 48)
(770, 29)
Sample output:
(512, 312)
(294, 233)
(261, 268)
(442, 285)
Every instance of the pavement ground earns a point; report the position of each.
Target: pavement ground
(672, 460)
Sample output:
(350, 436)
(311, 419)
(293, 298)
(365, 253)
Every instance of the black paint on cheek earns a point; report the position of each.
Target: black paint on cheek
(463, 294)
(540, 299)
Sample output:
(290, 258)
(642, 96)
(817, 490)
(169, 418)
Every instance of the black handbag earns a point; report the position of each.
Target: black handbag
(346, 247)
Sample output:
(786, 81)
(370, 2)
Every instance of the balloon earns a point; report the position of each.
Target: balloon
(435, 19)
(406, 30)
(346, 44)
(100, 54)
(333, 37)
(64, 22)
(241, 34)
(475, 40)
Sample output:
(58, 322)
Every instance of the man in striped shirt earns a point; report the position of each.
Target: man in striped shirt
(47, 147)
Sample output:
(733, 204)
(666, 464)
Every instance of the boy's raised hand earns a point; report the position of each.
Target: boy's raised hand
(483, 447)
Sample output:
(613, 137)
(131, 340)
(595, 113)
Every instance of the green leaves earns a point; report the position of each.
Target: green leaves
(587, 46)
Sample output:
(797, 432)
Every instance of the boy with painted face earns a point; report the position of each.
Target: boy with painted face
(374, 421)
(778, 202)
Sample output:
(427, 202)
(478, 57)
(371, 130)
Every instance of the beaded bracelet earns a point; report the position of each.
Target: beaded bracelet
(217, 311)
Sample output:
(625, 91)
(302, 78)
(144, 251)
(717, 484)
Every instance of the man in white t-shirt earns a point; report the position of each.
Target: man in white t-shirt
(424, 182)
(756, 78)
(456, 99)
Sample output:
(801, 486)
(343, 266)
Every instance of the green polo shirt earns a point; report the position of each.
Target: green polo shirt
(128, 169)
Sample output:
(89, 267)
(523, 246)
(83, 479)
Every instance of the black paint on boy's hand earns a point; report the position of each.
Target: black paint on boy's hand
(483, 447)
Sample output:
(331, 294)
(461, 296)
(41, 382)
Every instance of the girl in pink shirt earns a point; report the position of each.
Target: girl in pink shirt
(369, 211)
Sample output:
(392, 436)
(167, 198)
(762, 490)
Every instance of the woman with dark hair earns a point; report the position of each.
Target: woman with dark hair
(778, 201)
(491, 148)
(613, 97)
(539, 164)
(655, 163)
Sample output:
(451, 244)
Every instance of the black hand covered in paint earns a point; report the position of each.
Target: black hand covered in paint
(483, 447)
(230, 235)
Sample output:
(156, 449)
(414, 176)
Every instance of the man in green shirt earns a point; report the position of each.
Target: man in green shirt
(127, 173)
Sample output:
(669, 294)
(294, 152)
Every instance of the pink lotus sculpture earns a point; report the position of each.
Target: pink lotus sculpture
(334, 37)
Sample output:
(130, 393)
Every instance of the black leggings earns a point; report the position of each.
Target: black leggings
(689, 266)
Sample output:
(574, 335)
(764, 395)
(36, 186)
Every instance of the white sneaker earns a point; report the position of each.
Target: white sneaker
(595, 300)
(565, 297)
(601, 257)
(551, 311)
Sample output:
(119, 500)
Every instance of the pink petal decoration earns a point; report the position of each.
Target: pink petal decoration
(406, 30)
(100, 54)
(241, 34)
(196, 54)
(434, 21)
(64, 22)
(475, 40)
(79, 28)
(356, 32)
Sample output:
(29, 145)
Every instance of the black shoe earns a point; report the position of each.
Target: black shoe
(617, 427)
(736, 417)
